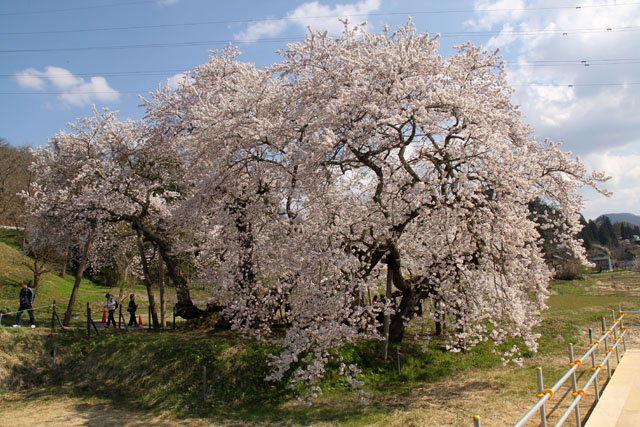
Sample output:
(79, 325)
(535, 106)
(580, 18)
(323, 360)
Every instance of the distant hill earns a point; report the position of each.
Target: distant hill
(621, 217)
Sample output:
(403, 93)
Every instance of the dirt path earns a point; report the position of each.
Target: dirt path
(18, 410)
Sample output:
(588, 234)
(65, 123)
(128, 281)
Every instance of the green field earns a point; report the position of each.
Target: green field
(160, 373)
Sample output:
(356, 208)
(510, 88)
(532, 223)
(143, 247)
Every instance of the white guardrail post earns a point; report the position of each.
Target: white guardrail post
(545, 395)
(543, 414)
(574, 383)
(593, 366)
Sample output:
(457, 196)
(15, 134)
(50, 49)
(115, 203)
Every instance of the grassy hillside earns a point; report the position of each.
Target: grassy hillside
(160, 373)
(52, 288)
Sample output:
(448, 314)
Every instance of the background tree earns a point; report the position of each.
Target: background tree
(15, 177)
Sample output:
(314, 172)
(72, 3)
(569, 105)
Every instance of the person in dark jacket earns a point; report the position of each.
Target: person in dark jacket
(131, 308)
(27, 295)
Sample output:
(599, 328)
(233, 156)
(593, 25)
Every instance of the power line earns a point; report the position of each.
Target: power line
(562, 32)
(104, 74)
(539, 63)
(576, 62)
(76, 93)
(289, 18)
(291, 39)
(575, 84)
(150, 45)
(71, 9)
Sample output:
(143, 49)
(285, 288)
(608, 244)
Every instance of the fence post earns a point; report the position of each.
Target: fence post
(1, 313)
(88, 321)
(476, 421)
(593, 364)
(624, 336)
(574, 383)
(53, 355)
(204, 383)
(606, 347)
(53, 317)
(615, 338)
(543, 414)
(174, 317)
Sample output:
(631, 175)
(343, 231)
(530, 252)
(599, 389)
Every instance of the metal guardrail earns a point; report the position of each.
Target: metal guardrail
(546, 394)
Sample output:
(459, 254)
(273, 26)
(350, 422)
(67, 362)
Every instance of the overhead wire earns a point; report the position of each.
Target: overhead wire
(541, 63)
(244, 21)
(136, 73)
(71, 9)
(294, 39)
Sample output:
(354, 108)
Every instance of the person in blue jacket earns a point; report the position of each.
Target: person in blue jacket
(27, 296)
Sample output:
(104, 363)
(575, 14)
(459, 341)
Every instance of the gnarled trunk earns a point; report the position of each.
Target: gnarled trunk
(184, 307)
(78, 279)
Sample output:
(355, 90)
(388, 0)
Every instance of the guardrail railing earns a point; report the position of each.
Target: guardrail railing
(610, 340)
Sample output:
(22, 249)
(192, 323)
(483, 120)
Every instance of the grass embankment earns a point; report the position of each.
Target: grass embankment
(161, 373)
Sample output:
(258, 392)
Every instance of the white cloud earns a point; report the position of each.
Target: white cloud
(175, 80)
(74, 90)
(503, 11)
(86, 92)
(624, 170)
(30, 79)
(314, 15)
(592, 109)
(62, 78)
(262, 29)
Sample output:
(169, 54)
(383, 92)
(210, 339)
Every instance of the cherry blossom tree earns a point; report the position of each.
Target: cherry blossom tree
(370, 159)
(361, 165)
(106, 172)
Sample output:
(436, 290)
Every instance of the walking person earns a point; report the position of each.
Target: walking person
(27, 296)
(111, 305)
(131, 308)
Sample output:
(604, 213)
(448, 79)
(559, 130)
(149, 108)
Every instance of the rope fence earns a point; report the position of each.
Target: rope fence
(122, 318)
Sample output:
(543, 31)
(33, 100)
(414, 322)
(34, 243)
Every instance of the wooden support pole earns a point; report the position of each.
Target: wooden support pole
(53, 317)
(204, 383)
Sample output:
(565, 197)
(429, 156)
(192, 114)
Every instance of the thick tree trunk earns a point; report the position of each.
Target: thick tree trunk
(147, 281)
(386, 320)
(79, 273)
(39, 269)
(163, 320)
(184, 307)
(406, 310)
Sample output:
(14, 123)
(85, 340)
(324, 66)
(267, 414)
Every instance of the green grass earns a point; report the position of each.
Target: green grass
(161, 372)
(55, 288)
(52, 287)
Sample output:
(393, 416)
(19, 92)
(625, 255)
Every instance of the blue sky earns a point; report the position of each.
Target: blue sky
(574, 64)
